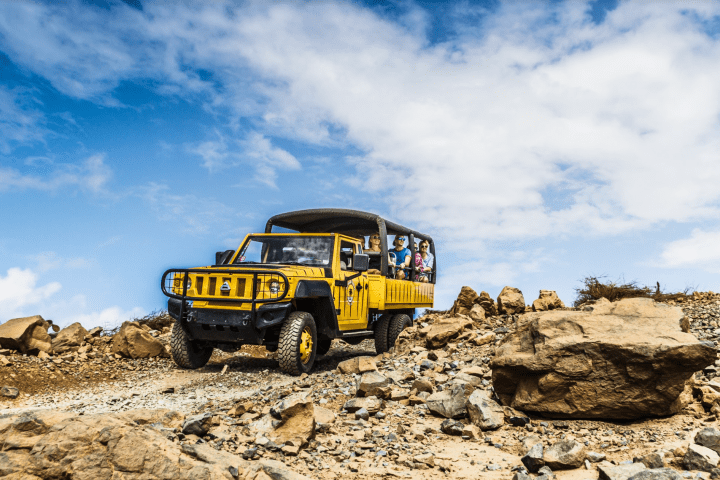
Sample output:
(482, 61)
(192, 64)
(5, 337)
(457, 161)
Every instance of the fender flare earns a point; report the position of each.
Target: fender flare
(320, 290)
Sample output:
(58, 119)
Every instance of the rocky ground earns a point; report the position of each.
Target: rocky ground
(395, 432)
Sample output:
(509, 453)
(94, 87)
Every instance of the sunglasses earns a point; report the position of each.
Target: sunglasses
(375, 237)
(423, 246)
(400, 238)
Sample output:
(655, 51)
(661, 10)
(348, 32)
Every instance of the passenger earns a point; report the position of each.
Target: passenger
(402, 258)
(374, 243)
(418, 262)
(427, 262)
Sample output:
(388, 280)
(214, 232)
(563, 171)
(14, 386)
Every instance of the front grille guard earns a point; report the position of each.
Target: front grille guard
(262, 277)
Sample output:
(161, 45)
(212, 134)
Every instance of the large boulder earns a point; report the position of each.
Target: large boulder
(69, 338)
(133, 341)
(27, 335)
(510, 301)
(548, 300)
(623, 360)
(445, 329)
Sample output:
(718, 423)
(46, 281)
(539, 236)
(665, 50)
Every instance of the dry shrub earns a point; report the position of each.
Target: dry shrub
(594, 289)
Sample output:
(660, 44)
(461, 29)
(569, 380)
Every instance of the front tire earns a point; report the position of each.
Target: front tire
(185, 352)
(298, 343)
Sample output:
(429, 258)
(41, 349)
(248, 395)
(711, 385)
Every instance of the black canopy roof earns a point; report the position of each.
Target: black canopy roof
(339, 220)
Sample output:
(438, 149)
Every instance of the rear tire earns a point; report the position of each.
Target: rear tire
(398, 323)
(185, 352)
(298, 344)
(381, 334)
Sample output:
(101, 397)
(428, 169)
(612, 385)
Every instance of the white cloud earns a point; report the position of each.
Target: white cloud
(20, 294)
(256, 152)
(21, 121)
(91, 175)
(190, 213)
(535, 122)
(701, 250)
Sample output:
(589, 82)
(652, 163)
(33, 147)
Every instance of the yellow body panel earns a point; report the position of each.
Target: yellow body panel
(353, 297)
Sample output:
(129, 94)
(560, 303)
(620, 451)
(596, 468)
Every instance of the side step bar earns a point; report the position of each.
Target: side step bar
(358, 333)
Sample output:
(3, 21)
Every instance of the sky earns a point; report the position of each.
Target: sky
(538, 143)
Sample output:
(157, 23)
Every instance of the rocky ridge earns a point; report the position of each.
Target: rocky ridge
(376, 415)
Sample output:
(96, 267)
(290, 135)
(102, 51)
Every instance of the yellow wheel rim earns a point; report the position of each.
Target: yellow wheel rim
(306, 344)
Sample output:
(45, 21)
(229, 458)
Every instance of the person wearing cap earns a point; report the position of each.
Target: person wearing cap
(401, 258)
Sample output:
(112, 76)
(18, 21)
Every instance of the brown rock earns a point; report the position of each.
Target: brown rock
(487, 303)
(446, 329)
(464, 302)
(133, 341)
(69, 338)
(297, 420)
(511, 301)
(623, 360)
(241, 408)
(548, 300)
(62, 445)
(27, 335)
(357, 365)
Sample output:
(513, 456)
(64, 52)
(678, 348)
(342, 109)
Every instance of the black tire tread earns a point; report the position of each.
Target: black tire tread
(183, 351)
(287, 348)
(398, 323)
(381, 333)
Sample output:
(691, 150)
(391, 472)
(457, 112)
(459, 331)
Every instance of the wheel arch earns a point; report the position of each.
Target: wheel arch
(315, 297)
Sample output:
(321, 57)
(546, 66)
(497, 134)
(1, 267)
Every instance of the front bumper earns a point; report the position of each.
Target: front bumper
(234, 326)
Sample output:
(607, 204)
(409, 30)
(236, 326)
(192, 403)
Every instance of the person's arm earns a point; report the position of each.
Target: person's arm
(406, 263)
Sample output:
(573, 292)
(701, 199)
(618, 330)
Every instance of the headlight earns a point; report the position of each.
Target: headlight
(274, 286)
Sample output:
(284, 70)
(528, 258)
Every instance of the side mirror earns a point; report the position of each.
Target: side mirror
(361, 262)
(222, 257)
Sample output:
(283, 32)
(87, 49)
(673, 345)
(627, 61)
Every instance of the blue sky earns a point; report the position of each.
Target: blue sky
(537, 142)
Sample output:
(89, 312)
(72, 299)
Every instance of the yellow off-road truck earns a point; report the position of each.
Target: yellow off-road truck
(296, 292)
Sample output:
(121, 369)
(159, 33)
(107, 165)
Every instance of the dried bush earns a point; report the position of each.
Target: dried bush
(594, 289)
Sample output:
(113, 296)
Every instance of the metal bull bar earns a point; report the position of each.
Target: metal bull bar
(256, 274)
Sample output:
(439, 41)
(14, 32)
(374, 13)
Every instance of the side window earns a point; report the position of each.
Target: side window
(346, 255)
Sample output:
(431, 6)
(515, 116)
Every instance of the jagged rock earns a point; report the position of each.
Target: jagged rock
(476, 313)
(133, 341)
(619, 472)
(484, 412)
(357, 365)
(564, 455)
(487, 303)
(450, 403)
(371, 404)
(241, 408)
(422, 385)
(710, 438)
(95, 332)
(324, 418)
(63, 445)
(702, 458)
(657, 474)
(27, 335)
(446, 329)
(548, 300)
(69, 338)
(651, 460)
(485, 339)
(511, 301)
(461, 378)
(197, 424)
(622, 360)
(9, 392)
(533, 459)
(465, 301)
(297, 420)
(452, 427)
(371, 384)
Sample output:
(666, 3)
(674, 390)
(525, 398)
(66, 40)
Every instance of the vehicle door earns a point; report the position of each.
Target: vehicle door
(351, 292)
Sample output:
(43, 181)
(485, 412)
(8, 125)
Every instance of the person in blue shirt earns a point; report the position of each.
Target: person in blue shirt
(402, 258)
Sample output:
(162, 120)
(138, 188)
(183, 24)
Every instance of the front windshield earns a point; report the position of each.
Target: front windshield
(316, 251)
